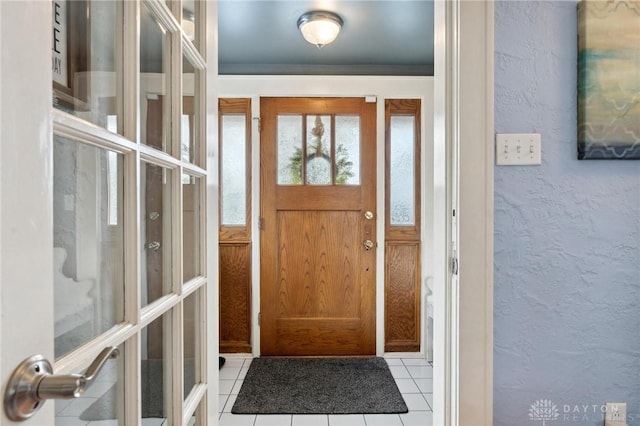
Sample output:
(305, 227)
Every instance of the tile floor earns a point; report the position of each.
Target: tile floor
(413, 377)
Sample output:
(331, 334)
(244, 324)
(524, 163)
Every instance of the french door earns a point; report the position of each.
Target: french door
(104, 193)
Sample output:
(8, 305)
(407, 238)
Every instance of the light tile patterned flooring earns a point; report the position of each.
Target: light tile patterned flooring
(413, 377)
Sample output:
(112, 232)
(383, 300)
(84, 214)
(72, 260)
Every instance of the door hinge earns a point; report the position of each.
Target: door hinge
(259, 317)
(261, 223)
(454, 265)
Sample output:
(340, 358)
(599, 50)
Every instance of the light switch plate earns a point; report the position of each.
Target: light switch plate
(518, 149)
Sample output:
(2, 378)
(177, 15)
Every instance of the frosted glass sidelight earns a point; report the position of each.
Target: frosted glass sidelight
(402, 173)
(234, 171)
(88, 240)
(289, 149)
(347, 160)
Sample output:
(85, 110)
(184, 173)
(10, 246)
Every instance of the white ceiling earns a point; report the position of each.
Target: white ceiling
(379, 37)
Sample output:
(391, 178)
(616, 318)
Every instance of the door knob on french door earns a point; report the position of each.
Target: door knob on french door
(368, 244)
(33, 382)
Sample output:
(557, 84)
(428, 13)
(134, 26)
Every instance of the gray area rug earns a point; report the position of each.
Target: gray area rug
(319, 386)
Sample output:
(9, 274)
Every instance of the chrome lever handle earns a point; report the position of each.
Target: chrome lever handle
(73, 385)
(34, 382)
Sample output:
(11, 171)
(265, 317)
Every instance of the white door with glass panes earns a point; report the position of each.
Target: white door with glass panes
(103, 215)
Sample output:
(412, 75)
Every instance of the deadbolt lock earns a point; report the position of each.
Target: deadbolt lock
(368, 215)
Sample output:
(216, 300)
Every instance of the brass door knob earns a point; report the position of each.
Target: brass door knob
(368, 244)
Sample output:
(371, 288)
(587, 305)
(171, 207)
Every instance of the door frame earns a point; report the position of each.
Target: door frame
(464, 128)
(464, 64)
(255, 87)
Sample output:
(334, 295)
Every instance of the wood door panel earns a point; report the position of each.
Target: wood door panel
(319, 336)
(321, 198)
(402, 297)
(235, 297)
(318, 264)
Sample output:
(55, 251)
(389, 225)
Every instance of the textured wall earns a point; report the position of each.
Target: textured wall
(567, 238)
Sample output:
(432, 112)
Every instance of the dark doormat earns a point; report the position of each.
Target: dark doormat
(319, 386)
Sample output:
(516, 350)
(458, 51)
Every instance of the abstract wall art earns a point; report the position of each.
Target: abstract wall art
(608, 79)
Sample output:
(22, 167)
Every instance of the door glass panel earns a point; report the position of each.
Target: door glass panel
(402, 174)
(190, 314)
(190, 20)
(191, 227)
(188, 135)
(85, 60)
(318, 160)
(156, 222)
(88, 244)
(234, 171)
(102, 403)
(347, 161)
(155, 371)
(289, 149)
(155, 54)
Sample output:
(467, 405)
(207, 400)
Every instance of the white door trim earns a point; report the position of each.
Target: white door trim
(463, 390)
(211, 291)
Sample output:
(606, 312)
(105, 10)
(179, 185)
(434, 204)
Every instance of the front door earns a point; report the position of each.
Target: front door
(318, 243)
(103, 211)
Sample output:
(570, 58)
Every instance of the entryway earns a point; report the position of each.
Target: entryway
(318, 221)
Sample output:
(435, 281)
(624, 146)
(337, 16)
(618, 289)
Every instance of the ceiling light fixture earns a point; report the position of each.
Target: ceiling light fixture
(320, 28)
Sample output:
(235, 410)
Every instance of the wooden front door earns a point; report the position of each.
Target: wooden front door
(318, 189)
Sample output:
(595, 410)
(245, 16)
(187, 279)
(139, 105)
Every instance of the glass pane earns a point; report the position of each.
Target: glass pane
(402, 174)
(190, 20)
(234, 170)
(88, 242)
(189, 104)
(318, 161)
(156, 222)
(289, 150)
(102, 403)
(155, 51)
(347, 161)
(85, 57)
(155, 371)
(191, 227)
(190, 313)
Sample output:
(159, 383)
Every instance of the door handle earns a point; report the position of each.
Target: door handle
(154, 245)
(33, 382)
(368, 245)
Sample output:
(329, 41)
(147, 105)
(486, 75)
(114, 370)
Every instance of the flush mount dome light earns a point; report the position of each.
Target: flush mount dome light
(320, 28)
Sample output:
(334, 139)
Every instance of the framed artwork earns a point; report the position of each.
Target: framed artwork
(608, 79)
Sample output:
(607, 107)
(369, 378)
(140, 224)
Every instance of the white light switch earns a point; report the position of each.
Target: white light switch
(517, 149)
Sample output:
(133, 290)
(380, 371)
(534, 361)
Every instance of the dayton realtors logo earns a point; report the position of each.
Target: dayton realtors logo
(543, 410)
